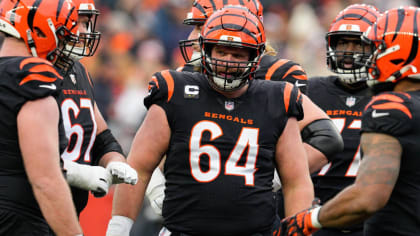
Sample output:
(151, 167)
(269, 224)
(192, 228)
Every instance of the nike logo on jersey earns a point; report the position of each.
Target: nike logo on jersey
(297, 84)
(379, 114)
(48, 86)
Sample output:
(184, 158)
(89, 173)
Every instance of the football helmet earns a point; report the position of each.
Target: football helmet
(232, 26)
(89, 39)
(203, 9)
(346, 29)
(44, 26)
(395, 38)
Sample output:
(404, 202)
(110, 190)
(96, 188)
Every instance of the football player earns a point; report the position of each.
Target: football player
(224, 133)
(343, 97)
(34, 198)
(387, 187)
(321, 138)
(91, 143)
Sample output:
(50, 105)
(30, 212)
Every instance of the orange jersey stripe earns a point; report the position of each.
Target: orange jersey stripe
(389, 97)
(38, 77)
(301, 77)
(170, 82)
(287, 92)
(44, 68)
(294, 68)
(393, 105)
(33, 60)
(274, 67)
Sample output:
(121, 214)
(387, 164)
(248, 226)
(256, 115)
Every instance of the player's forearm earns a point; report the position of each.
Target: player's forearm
(298, 197)
(54, 198)
(128, 200)
(316, 159)
(346, 209)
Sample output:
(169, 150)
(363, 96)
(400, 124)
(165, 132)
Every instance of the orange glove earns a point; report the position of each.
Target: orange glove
(302, 224)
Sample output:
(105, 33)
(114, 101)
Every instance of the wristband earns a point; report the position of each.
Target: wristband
(314, 218)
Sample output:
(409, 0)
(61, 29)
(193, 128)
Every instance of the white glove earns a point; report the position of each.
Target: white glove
(276, 182)
(155, 191)
(94, 178)
(119, 226)
(122, 173)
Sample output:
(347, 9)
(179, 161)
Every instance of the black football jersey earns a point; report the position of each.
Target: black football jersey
(22, 79)
(220, 161)
(345, 109)
(398, 114)
(276, 69)
(77, 106)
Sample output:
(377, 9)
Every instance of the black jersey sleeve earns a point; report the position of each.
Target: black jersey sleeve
(161, 89)
(388, 113)
(277, 69)
(293, 101)
(35, 78)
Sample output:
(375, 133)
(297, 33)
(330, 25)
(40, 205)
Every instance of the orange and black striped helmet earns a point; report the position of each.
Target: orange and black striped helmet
(232, 26)
(395, 37)
(351, 22)
(203, 9)
(44, 25)
(91, 38)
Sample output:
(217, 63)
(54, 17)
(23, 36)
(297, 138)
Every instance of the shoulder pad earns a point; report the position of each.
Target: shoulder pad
(37, 78)
(161, 88)
(388, 113)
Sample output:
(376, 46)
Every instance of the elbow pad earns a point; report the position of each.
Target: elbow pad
(323, 136)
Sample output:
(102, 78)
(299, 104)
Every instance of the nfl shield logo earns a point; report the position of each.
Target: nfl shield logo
(229, 105)
(350, 101)
(73, 78)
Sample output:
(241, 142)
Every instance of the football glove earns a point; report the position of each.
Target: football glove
(92, 178)
(302, 224)
(119, 226)
(122, 173)
(155, 191)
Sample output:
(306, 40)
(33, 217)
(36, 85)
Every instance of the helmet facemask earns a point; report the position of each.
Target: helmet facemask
(89, 38)
(349, 64)
(228, 75)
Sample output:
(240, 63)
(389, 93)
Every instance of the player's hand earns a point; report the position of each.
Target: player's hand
(301, 224)
(92, 178)
(155, 191)
(122, 173)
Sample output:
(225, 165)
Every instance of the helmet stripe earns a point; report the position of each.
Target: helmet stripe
(254, 23)
(401, 16)
(31, 14)
(353, 15)
(12, 18)
(225, 2)
(234, 26)
(241, 2)
(59, 7)
(415, 43)
(201, 9)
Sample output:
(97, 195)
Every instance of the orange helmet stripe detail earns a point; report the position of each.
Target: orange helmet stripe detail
(394, 106)
(274, 67)
(169, 82)
(287, 93)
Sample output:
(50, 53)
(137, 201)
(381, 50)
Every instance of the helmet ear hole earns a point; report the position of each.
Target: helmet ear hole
(39, 33)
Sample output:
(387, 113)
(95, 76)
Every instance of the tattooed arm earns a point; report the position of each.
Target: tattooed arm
(374, 183)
